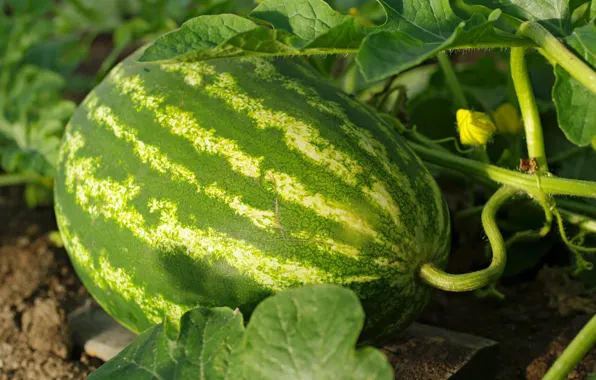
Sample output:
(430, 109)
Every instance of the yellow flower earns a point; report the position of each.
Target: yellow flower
(594, 143)
(507, 119)
(475, 128)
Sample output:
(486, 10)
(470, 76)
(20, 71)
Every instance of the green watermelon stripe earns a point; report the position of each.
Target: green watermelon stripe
(226, 89)
(410, 160)
(288, 187)
(183, 124)
(160, 162)
(117, 280)
(299, 135)
(266, 71)
(264, 219)
(111, 199)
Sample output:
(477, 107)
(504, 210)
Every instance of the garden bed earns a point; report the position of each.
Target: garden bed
(38, 289)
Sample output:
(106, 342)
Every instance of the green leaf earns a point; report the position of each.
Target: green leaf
(306, 19)
(32, 8)
(432, 20)
(555, 15)
(304, 333)
(576, 105)
(32, 121)
(196, 37)
(301, 27)
(418, 32)
(206, 348)
(412, 33)
(571, 161)
(310, 333)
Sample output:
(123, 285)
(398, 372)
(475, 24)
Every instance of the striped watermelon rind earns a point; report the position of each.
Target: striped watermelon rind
(220, 183)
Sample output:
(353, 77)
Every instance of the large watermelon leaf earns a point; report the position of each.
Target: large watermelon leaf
(555, 15)
(412, 32)
(310, 333)
(416, 31)
(300, 27)
(305, 333)
(206, 348)
(576, 105)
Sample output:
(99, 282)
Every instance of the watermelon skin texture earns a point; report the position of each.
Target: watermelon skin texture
(221, 182)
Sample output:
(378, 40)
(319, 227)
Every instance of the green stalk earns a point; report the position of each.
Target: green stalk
(529, 109)
(559, 53)
(452, 82)
(440, 279)
(573, 354)
(527, 182)
(17, 179)
(583, 222)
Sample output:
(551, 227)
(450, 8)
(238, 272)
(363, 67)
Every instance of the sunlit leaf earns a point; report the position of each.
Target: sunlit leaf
(411, 33)
(303, 333)
(576, 105)
(553, 14)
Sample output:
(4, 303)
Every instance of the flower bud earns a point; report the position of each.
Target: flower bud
(507, 119)
(475, 128)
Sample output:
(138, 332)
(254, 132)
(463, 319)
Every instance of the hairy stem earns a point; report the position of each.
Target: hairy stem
(452, 82)
(573, 354)
(583, 222)
(440, 279)
(529, 109)
(559, 53)
(480, 171)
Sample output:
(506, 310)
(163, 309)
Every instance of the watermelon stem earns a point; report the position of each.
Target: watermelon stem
(437, 278)
(583, 222)
(529, 109)
(573, 354)
(452, 82)
(555, 51)
(548, 184)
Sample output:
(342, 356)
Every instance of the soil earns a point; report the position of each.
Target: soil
(38, 289)
(528, 324)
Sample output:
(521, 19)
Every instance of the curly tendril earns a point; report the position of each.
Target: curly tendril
(440, 279)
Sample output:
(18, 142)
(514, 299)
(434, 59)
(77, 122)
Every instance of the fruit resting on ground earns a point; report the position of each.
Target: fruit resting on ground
(221, 182)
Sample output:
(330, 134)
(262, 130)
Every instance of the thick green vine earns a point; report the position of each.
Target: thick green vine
(451, 81)
(548, 184)
(439, 279)
(555, 51)
(573, 354)
(529, 110)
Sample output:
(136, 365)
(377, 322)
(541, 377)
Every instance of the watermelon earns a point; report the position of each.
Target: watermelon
(221, 182)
